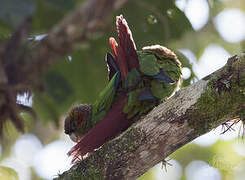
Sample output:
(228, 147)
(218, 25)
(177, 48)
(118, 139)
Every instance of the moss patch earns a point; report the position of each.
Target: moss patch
(106, 162)
(224, 98)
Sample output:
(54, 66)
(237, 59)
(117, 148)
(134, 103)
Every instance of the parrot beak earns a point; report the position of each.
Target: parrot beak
(73, 137)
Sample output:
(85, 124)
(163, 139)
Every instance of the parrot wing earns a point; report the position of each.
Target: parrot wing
(106, 98)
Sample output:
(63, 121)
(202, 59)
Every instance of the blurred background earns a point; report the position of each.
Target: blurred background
(204, 33)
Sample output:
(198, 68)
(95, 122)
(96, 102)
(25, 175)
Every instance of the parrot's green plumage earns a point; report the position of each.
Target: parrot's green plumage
(152, 62)
(105, 100)
(138, 81)
(96, 111)
(148, 63)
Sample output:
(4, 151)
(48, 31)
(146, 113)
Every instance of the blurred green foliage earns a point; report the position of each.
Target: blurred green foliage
(8, 173)
(80, 79)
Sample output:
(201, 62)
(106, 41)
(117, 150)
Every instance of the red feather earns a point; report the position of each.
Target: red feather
(108, 127)
(125, 52)
(126, 43)
(119, 57)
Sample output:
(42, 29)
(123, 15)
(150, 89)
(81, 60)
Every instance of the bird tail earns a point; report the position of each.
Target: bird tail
(125, 52)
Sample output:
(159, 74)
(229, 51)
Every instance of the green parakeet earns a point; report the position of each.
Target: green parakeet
(138, 81)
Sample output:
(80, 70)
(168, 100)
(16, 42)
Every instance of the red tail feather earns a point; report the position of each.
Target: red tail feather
(119, 57)
(113, 44)
(124, 52)
(126, 43)
(114, 122)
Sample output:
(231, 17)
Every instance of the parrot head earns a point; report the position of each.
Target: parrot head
(78, 122)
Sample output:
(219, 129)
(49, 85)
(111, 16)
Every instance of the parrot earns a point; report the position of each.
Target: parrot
(138, 81)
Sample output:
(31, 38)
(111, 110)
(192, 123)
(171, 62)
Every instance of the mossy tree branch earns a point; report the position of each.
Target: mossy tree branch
(191, 112)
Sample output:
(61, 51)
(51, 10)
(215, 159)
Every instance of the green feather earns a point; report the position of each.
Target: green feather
(132, 79)
(105, 100)
(161, 89)
(148, 63)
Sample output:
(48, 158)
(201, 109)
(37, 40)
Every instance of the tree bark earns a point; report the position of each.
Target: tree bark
(191, 112)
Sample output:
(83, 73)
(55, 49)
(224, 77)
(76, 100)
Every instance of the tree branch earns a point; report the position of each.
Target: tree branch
(191, 112)
(80, 26)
